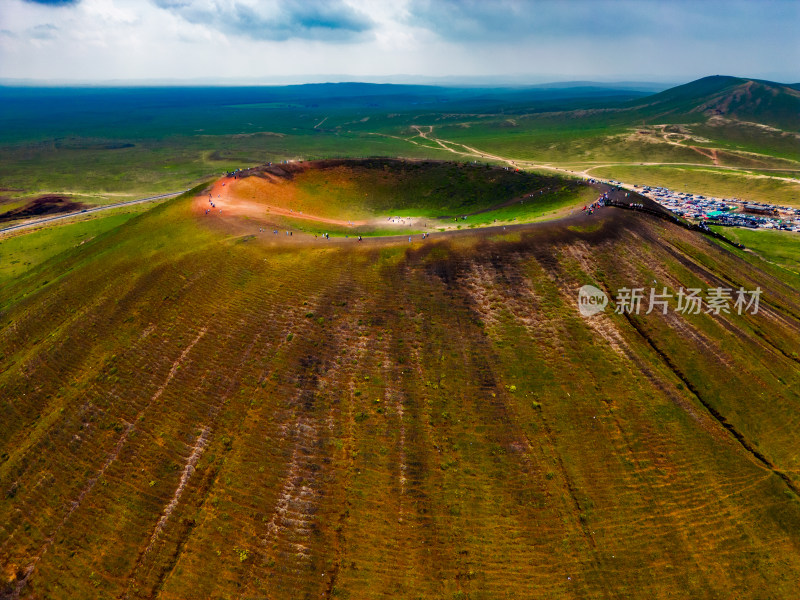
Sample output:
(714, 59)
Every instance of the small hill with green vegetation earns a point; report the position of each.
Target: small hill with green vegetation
(190, 412)
(752, 100)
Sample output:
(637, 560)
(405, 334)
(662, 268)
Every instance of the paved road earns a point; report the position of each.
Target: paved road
(35, 222)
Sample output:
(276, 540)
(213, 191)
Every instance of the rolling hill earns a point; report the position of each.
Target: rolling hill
(192, 411)
(752, 100)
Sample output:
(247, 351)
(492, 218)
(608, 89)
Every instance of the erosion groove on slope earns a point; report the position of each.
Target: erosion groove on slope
(737, 435)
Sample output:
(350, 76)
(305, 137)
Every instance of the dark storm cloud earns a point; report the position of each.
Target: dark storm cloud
(53, 2)
(280, 21)
(503, 20)
(600, 21)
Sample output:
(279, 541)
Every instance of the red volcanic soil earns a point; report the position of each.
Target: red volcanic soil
(227, 201)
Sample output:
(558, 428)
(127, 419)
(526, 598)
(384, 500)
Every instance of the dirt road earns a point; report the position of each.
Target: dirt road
(710, 153)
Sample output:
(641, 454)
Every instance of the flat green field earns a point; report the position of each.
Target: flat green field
(565, 141)
(25, 250)
(779, 247)
(102, 176)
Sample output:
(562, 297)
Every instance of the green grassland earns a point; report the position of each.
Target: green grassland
(25, 250)
(750, 137)
(548, 139)
(190, 413)
(419, 188)
(779, 247)
(8, 204)
(146, 142)
(100, 176)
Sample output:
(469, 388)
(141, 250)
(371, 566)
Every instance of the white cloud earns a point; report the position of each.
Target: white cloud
(295, 40)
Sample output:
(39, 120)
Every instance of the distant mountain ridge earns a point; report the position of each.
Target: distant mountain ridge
(766, 102)
(763, 102)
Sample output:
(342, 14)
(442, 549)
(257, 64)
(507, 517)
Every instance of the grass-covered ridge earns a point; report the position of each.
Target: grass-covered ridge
(25, 250)
(389, 186)
(382, 196)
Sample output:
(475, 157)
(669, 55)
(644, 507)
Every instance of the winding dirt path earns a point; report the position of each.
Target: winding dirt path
(226, 201)
(709, 152)
(470, 151)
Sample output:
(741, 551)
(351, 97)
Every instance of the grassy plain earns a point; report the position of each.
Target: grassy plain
(101, 176)
(25, 250)
(779, 247)
(105, 145)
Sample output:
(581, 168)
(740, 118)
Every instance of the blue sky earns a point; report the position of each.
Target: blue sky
(293, 41)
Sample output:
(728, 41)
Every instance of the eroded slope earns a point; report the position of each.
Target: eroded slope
(190, 415)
